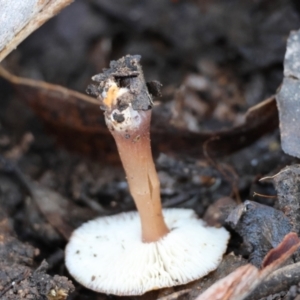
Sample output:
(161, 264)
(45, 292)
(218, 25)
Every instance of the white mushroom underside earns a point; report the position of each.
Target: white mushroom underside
(107, 254)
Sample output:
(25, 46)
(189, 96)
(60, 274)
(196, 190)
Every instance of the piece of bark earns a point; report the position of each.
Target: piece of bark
(261, 227)
(288, 97)
(287, 185)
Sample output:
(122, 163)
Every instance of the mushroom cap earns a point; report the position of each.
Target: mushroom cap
(107, 254)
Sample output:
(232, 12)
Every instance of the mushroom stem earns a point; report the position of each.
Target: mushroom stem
(135, 153)
(127, 101)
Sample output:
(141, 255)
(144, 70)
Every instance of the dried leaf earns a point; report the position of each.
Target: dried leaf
(71, 113)
(23, 18)
(273, 257)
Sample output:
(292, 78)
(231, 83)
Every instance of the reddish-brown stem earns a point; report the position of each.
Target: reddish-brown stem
(135, 153)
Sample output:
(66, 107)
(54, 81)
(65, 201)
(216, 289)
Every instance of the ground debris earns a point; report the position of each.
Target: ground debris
(35, 284)
(17, 278)
(174, 295)
(53, 288)
(261, 227)
(12, 251)
(50, 213)
(229, 263)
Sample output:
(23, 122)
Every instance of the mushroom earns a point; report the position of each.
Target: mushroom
(132, 253)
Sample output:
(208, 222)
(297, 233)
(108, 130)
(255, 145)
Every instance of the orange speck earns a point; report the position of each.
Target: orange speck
(111, 96)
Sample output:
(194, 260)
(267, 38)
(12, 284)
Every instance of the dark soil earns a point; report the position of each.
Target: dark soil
(215, 59)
